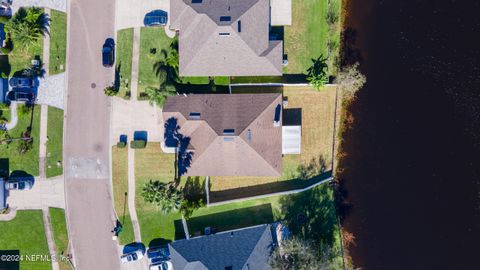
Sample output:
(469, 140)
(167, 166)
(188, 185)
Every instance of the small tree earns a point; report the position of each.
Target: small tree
(111, 91)
(349, 81)
(189, 206)
(317, 73)
(25, 145)
(165, 196)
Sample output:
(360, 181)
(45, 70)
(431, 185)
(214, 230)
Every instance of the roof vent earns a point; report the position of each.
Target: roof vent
(229, 132)
(196, 1)
(228, 267)
(194, 115)
(225, 18)
(228, 139)
(239, 26)
(249, 135)
(224, 34)
(276, 119)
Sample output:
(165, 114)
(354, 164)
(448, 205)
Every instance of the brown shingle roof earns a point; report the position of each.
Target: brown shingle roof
(204, 52)
(253, 146)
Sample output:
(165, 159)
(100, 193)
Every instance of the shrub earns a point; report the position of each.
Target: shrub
(24, 146)
(110, 91)
(121, 144)
(138, 144)
(143, 96)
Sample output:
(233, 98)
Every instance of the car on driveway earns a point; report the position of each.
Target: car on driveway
(25, 95)
(17, 82)
(155, 18)
(166, 265)
(132, 256)
(108, 52)
(18, 184)
(158, 253)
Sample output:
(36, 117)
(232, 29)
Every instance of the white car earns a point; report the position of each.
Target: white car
(166, 265)
(132, 256)
(18, 184)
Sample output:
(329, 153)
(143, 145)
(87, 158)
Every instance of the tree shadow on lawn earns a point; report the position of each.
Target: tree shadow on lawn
(279, 186)
(233, 219)
(311, 215)
(4, 167)
(179, 234)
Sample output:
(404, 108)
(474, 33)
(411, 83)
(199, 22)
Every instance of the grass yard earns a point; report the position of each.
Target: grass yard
(120, 187)
(124, 60)
(58, 41)
(60, 235)
(307, 37)
(152, 164)
(317, 204)
(54, 161)
(10, 159)
(318, 112)
(151, 39)
(26, 233)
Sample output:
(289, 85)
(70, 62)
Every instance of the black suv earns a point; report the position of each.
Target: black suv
(108, 52)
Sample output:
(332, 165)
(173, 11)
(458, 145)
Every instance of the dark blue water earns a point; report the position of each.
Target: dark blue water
(412, 173)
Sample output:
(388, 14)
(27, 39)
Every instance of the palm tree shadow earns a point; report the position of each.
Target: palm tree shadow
(173, 138)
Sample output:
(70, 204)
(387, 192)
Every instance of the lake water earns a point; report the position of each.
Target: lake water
(412, 173)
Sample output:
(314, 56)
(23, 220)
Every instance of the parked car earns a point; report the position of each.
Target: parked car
(155, 18)
(22, 82)
(18, 184)
(132, 256)
(166, 265)
(108, 52)
(25, 95)
(155, 21)
(158, 252)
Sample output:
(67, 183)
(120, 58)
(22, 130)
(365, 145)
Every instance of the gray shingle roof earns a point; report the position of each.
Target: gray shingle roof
(254, 148)
(248, 248)
(204, 51)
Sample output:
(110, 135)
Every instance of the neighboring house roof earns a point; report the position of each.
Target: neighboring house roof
(234, 135)
(248, 248)
(225, 38)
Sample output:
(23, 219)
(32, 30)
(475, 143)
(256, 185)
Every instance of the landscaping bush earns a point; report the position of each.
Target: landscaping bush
(138, 144)
(121, 144)
(111, 91)
(143, 96)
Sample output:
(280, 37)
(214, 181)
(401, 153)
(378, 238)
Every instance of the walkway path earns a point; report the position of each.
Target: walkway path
(13, 116)
(46, 47)
(131, 152)
(48, 233)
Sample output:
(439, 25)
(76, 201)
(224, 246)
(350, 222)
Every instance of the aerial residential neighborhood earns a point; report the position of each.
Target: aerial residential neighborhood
(171, 134)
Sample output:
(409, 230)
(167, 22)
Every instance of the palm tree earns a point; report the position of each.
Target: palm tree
(164, 196)
(28, 25)
(317, 73)
(158, 96)
(169, 65)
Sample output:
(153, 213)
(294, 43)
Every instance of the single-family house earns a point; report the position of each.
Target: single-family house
(226, 135)
(229, 38)
(246, 249)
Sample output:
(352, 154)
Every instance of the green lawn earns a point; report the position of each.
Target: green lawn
(55, 142)
(26, 233)
(152, 164)
(60, 235)
(306, 38)
(124, 60)
(152, 41)
(120, 187)
(10, 159)
(58, 41)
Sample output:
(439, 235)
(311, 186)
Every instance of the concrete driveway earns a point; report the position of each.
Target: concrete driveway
(51, 90)
(44, 193)
(131, 14)
(52, 4)
(89, 202)
(131, 116)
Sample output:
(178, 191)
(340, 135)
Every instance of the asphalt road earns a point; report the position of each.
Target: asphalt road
(89, 202)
